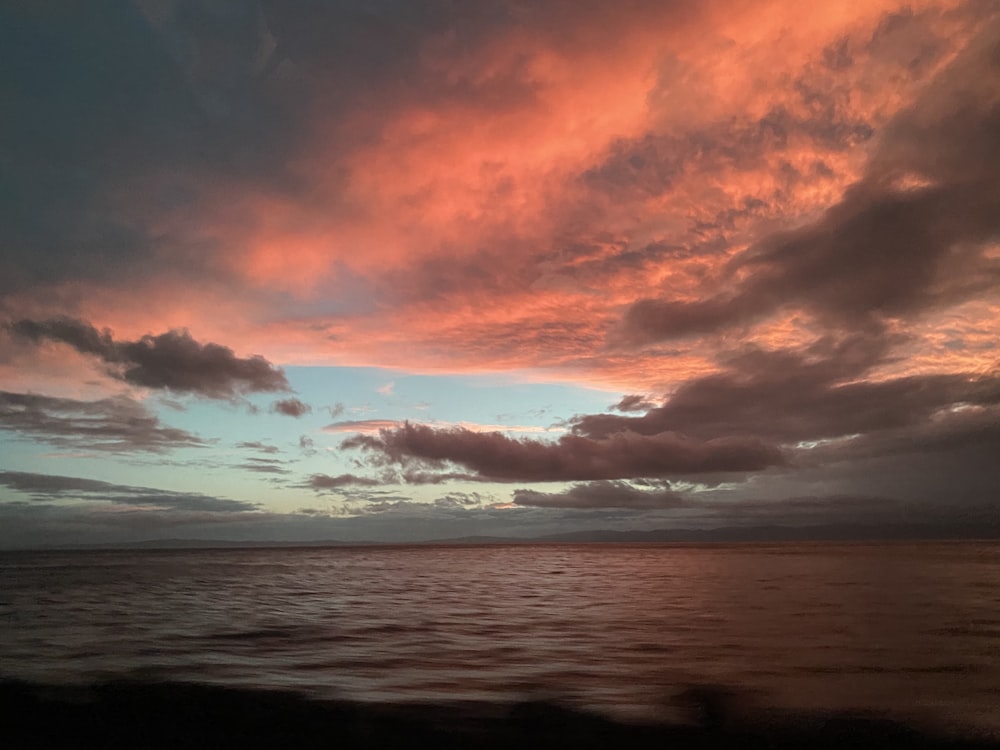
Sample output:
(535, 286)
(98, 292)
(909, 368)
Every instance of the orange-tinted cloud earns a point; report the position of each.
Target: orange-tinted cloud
(487, 173)
(778, 219)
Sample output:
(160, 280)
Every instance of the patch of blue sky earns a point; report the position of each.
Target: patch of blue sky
(236, 437)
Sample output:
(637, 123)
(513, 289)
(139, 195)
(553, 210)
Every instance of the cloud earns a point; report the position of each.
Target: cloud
(291, 407)
(634, 403)
(821, 391)
(710, 510)
(264, 466)
(307, 445)
(259, 446)
(620, 455)
(603, 494)
(654, 163)
(361, 425)
(423, 476)
(911, 236)
(115, 425)
(325, 482)
(764, 409)
(462, 500)
(372, 426)
(780, 220)
(181, 87)
(173, 361)
(53, 487)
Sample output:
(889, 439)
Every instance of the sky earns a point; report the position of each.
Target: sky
(398, 270)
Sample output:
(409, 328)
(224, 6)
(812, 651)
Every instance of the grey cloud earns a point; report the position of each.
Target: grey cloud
(53, 487)
(964, 435)
(291, 407)
(633, 403)
(103, 100)
(117, 425)
(808, 508)
(715, 509)
(419, 476)
(172, 361)
(259, 446)
(326, 482)
(264, 466)
(815, 393)
(878, 254)
(177, 362)
(572, 457)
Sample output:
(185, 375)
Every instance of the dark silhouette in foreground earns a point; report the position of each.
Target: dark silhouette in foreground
(180, 715)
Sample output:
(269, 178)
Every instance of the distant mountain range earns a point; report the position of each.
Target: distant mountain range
(733, 534)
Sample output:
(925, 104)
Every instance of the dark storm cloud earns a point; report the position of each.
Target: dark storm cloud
(103, 99)
(606, 494)
(116, 425)
(966, 435)
(172, 361)
(815, 393)
(291, 407)
(909, 237)
(713, 509)
(51, 487)
(177, 362)
(572, 457)
(114, 100)
(80, 335)
(806, 509)
(366, 39)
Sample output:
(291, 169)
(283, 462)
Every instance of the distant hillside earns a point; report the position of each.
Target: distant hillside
(838, 532)
(731, 534)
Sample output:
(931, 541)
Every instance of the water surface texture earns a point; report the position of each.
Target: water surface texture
(912, 630)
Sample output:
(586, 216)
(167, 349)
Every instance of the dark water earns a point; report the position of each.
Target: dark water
(910, 630)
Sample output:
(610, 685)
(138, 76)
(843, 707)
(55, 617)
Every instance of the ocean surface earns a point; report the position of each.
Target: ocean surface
(910, 631)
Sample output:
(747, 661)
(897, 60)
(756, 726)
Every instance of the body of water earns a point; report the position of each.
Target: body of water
(907, 630)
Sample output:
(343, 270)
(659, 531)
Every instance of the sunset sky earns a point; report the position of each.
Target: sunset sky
(413, 269)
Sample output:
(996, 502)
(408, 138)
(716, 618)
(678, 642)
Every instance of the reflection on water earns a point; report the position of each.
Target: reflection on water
(912, 629)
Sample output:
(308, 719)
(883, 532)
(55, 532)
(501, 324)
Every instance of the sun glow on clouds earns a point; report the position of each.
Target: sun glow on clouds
(748, 211)
(374, 426)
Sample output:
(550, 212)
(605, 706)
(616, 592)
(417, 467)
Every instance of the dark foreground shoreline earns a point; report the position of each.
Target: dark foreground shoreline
(135, 715)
